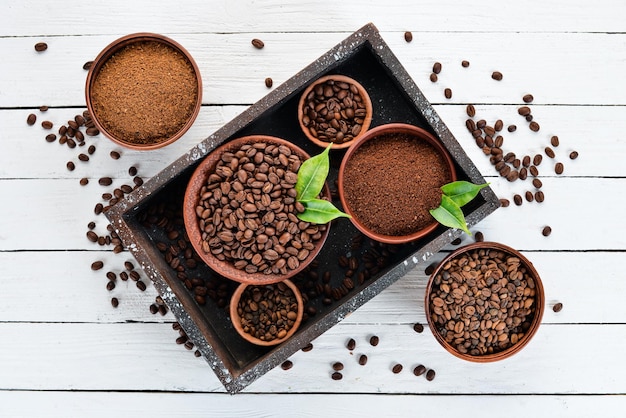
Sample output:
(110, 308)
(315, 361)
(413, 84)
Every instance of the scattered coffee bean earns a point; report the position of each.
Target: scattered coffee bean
(337, 366)
(528, 98)
(534, 126)
(549, 152)
(539, 196)
(496, 75)
(557, 307)
(46, 124)
(141, 285)
(554, 140)
(419, 370)
(573, 155)
(70, 165)
(529, 196)
(558, 168)
(307, 347)
(546, 231)
(537, 159)
(110, 286)
(408, 36)
(98, 209)
(257, 43)
(31, 119)
(479, 237)
(286, 365)
(97, 265)
(397, 368)
(374, 340)
(115, 302)
(524, 110)
(92, 131)
(92, 236)
(51, 138)
(537, 183)
(430, 375)
(433, 77)
(105, 181)
(448, 93)
(511, 128)
(269, 82)
(419, 328)
(115, 155)
(83, 157)
(456, 241)
(465, 63)
(504, 202)
(336, 376)
(351, 344)
(437, 67)
(132, 171)
(154, 309)
(129, 265)
(517, 199)
(470, 110)
(498, 126)
(41, 46)
(91, 149)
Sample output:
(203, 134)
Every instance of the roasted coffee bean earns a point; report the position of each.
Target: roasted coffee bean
(419, 370)
(132, 171)
(91, 149)
(430, 375)
(517, 199)
(529, 196)
(546, 231)
(433, 77)
(465, 63)
(351, 344)
(362, 359)
(134, 275)
(307, 347)
(437, 67)
(558, 168)
(91, 225)
(154, 309)
(337, 366)
(115, 302)
(573, 155)
(70, 165)
(128, 265)
(31, 119)
(478, 236)
(269, 82)
(374, 340)
(470, 110)
(537, 183)
(523, 110)
(397, 368)
(557, 307)
(504, 202)
(141, 285)
(534, 126)
(83, 157)
(549, 152)
(537, 159)
(496, 75)
(257, 43)
(448, 93)
(419, 328)
(336, 376)
(46, 124)
(408, 36)
(110, 286)
(533, 171)
(41, 46)
(105, 181)
(456, 241)
(51, 137)
(286, 365)
(98, 208)
(115, 155)
(511, 128)
(498, 125)
(97, 265)
(528, 98)
(92, 131)
(554, 140)
(539, 196)
(87, 65)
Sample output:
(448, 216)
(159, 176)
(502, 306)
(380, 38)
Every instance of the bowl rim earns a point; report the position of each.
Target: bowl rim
(415, 131)
(367, 121)
(539, 303)
(115, 46)
(234, 301)
(190, 202)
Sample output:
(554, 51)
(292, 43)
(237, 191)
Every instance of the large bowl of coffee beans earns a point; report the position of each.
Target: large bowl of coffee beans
(484, 302)
(241, 214)
(334, 109)
(390, 178)
(267, 314)
(144, 91)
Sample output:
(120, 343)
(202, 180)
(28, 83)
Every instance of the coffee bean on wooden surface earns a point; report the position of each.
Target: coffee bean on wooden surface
(362, 359)
(91, 149)
(517, 199)
(537, 159)
(105, 181)
(529, 196)
(465, 63)
(141, 285)
(437, 67)
(419, 370)
(408, 36)
(269, 82)
(558, 168)
(433, 77)
(534, 126)
(351, 344)
(154, 309)
(504, 202)
(257, 43)
(92, 236)
(110, 286)
(374, 340)
(70, 165)
(83, 157)
(554, 141)
(337, 366)
(92, 131)
(497, 75)
(336, 376)
(41, 46)
(87, 65)
(115, 155)
(286, 365)
(97, 265)
(430, 375)
(539, 196)
(115, 302)
(397, 368)
(479, 237)
(132, 171)
(470, 110)
(448, 93)
(528, 98)
(557, 307)
(549, 152)
(307, 347)
(419, 328)
(456, 241)
(31, 119)
(523, 110)
(573, 155)
(46, 124)
(51, 138)
(511, 128)
(546, 231)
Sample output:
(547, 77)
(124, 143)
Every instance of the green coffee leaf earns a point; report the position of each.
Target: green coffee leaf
(312, 176)
(462, 192)
(450, 214)
(320, 211)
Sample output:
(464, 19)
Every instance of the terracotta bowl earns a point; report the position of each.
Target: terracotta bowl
(104, 57)
(367, 120)
(518, 335)
(234, 315)
(394, 128)
(192, 197)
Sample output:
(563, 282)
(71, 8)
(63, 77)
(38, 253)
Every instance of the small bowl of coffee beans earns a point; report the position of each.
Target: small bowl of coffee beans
(241, 214)
(484, 302)
(143, 91)
(334, 109)
(268, 314)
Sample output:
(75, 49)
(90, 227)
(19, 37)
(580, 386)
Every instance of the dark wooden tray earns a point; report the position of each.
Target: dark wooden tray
(146, 218)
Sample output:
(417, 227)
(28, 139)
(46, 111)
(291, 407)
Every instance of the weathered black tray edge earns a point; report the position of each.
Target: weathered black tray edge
(120, 215)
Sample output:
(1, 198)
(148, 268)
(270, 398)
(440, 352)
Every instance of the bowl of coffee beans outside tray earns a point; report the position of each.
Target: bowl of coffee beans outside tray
(240, 211)
(144, 91)
(268, 314)
(334, 109)
(484, 302)
(390, 178)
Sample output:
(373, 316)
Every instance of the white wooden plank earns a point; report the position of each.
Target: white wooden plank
(562, 68)
(59, 286)
(52, 404)
(35, 17)
(563, 359)
(69, 208)
(598, 141)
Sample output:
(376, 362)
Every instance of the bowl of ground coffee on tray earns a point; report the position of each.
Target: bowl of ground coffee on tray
(144, 91)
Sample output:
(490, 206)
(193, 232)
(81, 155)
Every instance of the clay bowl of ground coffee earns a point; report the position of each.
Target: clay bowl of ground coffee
(390, 178)
(240, 211)
(336, 109)
(144, 91)
(484, 302)
(268, 314)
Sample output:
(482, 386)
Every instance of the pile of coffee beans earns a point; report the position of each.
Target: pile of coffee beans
(483, 301)
(247, 212)
(334, 111)
(267, 312)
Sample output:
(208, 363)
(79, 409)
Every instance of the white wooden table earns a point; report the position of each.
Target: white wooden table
(66, 352)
